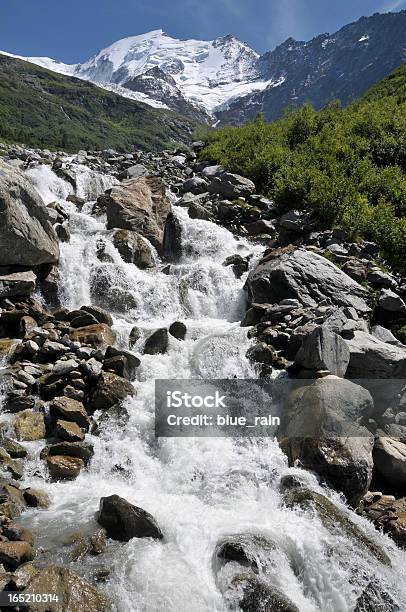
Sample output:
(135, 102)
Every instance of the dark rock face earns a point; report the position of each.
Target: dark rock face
(109, 390)
(123, 521)
(17, 284)
(133, 248)
(339, 66)
(27, 237)
(324, 350)
(178, 330)
(372, 358)
(157, 343)
(305, 276)
(172, 242)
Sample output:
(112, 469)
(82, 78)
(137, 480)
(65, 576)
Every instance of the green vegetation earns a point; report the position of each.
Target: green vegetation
(348, 165)
(43, 109)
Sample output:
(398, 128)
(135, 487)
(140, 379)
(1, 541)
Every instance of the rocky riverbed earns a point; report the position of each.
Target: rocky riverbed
(120, 269)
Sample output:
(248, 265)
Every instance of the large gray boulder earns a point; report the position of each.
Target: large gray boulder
(390, 460)
(322, 430)
(303, 275)
(123, 521)
(17, 284)
(139, 205)
(27, 237)
(231, 186)
(372, 358)
(322, 349)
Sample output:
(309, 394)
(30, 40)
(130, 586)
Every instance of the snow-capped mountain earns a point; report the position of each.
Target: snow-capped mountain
(226, 80)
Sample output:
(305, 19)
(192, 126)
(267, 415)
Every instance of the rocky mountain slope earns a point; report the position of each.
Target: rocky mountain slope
(46, 109)
(227, 80)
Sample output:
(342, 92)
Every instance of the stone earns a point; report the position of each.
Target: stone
(109, 390)
(27, 237)
(322, 430)
(6, 346)
(385, 335)
(157, 343)
(197, 211)
(70, 410)
(20, 403)
(64, 468)
(259, 596)
(134, 249)
(305, 276)
(372, 358)
(71, 432)
(379, 278)
(136, 171)
(79, 595)
(391, 301)
(135, 335)
(195, 185)
(63, 368)
(13, 448)
(390, 461)
(13, 554)
(83, 320)
(36, 499)
(292, 221)
(122, 362)
(94, 335)
(123, 521)
(231, 186)
(17, 283)
(210, 172)
(99, 314)
(324, 350)
(261, 352)
(140, 205)
(387, 514)
(29, 425)
(62, 232)
(178, 330)
(260, 227)
(172, 241)
(80, 450)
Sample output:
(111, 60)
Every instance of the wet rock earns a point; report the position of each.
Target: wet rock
(140, 205)
(375, 598)
(322, 430)
(390, 461)
(64, 468)
(387, 513)
(121, 362)
(135, 335)
(22, 575)
(261, 597)
(172, 240)
(79, 595)
(133, 248)
(6, 346)
(70, 410)
(324, 350)
(99, 314)
(238, 263)
(68, 431)
(36, 499)
(17, 283)
(197, 211)
(123, 521)
(27, 237)
(262, 353)
(14, 467)
(94, 335)
(372, 358)
(62, 232)
(13, 554)
(13, 448)
(80, 450)
(29, 425)
(260, 227)
(178, 330)
(157, 343)
(231, 186)
(82, 319)
(109, 390)
(333, 519)
(305, 276)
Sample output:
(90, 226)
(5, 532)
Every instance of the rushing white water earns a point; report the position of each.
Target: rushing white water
(199, 490)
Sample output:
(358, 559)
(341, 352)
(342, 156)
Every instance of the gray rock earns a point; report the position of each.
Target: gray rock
(385, 335)
(99, 314)
(210, 172)
(172, 242)
(27, 237)
(305, 276)
(178, 330)
(195, 185)
(133, 248)
(134, 172)
(292, 221)
(157, 343)
(260, 227)
(231, 186)
(123, 521)
(324, 350)
(372, 358)
(391, 301)
(322, 431)
(62, 368)
(381, 279)
(17, 283)
(390, 460)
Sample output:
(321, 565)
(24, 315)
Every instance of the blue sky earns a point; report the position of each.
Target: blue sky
(73, 30)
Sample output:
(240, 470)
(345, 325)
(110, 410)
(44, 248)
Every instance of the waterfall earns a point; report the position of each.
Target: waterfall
(199, 490)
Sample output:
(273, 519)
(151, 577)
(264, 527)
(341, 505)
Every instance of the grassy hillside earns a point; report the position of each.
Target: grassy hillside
(44, 109)
(348, 165)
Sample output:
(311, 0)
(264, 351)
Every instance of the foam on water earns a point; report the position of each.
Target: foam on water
(199, 490)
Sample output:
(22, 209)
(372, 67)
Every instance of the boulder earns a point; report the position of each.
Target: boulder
(372, 358)
(94, 335)
(27, 237)
(17, 283)
(387, 513)
(195, 185)
(36, 499)
(324, 350)
(136, 171)
(123, 521)
(391, 301)
(109, 390)
(140, 205)
(68, 431)
(78, 595)
(305, 276)
(80, 450)
(29, 425)
(178, 330)
(172, 241)
(64, 468)
(13, 554)
(157, 343)
(390, 461)
(70, 410)
(99, 314)
(321, 429)
(133, 248)
(231, 186)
